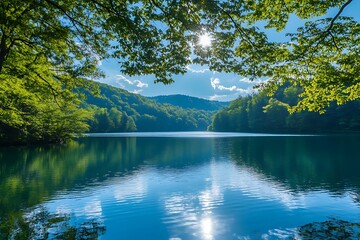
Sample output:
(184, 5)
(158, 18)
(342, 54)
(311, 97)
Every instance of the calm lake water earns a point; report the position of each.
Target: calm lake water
(185, 186)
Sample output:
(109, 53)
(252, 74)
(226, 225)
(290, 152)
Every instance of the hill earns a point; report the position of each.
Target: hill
(117, 110)
(191, 102)
(261, 113)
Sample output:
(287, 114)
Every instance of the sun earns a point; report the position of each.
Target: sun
(205, 40)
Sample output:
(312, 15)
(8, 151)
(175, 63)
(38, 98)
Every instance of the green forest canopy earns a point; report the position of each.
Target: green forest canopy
(49, 48)
(261, 113)
(117, 110)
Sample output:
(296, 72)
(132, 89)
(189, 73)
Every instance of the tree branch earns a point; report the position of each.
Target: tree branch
(54, 92)
(327, 32)
(244, 36)
(337, 15)
(3, 50)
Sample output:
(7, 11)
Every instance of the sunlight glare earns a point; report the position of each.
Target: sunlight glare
(207, 228)
(205, 40)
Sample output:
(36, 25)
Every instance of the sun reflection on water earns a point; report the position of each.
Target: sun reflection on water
(207, 228)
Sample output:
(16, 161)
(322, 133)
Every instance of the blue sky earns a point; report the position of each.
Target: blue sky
(199, 81)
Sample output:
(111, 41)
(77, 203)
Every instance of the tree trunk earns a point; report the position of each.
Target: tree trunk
(3, 51)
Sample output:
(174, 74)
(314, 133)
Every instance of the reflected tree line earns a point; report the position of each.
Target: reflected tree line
(303, 163)
(31, 175)
(41, 224)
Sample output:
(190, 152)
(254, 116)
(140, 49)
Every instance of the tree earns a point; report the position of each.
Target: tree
(260, 113)
(35, 107)
(322, 56)
(156, 37)
(160, 37)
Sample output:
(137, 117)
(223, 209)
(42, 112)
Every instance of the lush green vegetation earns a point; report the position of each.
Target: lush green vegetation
(117, 110)
(261, 113)
(191, 102)
(49, 48)
(35, 106)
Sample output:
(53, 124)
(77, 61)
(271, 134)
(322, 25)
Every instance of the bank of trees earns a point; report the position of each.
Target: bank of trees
(261, 113)
(116, 110)
(49, 48)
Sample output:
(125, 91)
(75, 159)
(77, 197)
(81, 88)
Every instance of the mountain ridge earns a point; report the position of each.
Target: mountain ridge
(118, 110)
(190, 102)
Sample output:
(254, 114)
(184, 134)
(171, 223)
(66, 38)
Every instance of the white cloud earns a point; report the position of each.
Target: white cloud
(95, 57)
(232, 88)
(137, 91)
(135, 86)
(197, 70)
(247, 80)
(140, 84)
(123, 78)
(215, 83)
(217, 97)
(247, 91)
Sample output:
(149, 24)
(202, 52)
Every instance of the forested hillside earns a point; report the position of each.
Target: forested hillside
(48, 49)
(260, 113)
(191, 102)
(117, 110)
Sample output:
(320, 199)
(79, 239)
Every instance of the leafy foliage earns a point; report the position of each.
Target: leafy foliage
(156, 37)
(48, 48)
(261, 113)
(35, 106)
(117, 110)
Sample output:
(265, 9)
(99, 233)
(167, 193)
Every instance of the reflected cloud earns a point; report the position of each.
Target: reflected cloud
(195, 212)
(255, 185)
(93, 209)
(184, 212)
(202, 194)
(210, 198)
(181, 210)
(134, 189)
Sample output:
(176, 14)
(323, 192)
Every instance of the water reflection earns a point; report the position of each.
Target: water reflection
(303, 163)
(39, 223)
(188, 188)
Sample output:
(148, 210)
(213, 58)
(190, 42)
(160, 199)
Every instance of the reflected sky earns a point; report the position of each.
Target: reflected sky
(222, 201)
(194, 134)
(193, 188)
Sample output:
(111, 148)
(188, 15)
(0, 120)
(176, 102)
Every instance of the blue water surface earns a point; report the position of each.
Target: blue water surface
(193, 185)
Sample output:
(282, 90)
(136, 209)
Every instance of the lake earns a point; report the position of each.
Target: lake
(191, 185)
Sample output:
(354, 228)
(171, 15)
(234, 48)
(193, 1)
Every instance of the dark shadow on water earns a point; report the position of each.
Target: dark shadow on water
(330, 229)
(41, 224)
(303, 163)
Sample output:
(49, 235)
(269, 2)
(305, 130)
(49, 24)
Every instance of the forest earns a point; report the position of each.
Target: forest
(50, 51)
(261, 113)
(117, 110)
